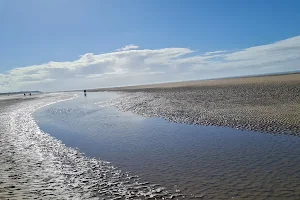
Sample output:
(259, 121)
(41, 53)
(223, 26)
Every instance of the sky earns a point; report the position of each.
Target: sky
(53, 45)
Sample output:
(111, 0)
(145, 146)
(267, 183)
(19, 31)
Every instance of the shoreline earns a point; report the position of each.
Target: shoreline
(266, 104)
(33, 164)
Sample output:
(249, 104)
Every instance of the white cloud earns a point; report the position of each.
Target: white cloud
(128, 47)
(130, 65)
(112, 75)
(214, 52)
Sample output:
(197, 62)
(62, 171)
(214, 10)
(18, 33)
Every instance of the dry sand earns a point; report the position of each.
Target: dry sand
(264, 103)
(212, 82)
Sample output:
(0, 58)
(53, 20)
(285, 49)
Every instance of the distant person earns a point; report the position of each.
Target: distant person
(84, 93)
(24, 94)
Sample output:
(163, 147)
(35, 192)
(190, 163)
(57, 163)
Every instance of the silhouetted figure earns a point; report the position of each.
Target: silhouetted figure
(24, 94)
(84, 93)
(29, 94)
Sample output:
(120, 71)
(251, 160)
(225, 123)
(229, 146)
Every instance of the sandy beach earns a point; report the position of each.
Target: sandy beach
(264, 103)
(211, 161)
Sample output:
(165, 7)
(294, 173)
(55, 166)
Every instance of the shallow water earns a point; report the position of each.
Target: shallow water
(34, 165)
(201, 162)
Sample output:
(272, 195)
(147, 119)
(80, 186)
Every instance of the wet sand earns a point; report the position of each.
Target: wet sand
(34, 165)
(265, 103)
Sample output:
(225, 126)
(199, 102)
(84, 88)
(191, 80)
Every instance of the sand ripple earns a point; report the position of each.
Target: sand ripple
(272, 108)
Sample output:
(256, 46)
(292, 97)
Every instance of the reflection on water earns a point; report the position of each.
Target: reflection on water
(202, 162)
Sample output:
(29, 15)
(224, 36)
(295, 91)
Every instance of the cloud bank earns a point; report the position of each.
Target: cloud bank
(131, 65)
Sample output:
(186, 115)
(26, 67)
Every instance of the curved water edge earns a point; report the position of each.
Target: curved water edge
(269, 108)
(209, 162)
(33, 164)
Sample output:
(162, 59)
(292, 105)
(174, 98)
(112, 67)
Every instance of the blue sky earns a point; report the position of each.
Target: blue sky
(59, 44)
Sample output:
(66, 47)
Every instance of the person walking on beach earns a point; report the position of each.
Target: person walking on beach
(84, 92)
(24, 94)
